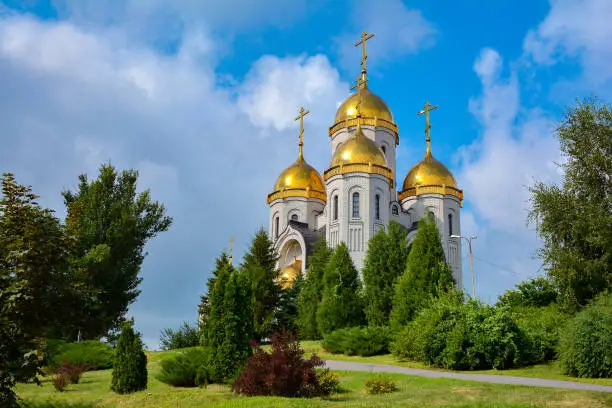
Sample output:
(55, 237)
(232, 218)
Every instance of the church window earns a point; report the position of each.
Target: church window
(377, 202)
(294, 217)
(384, 149)
(431, 214)
(394, 210)
(450, 224)
(276, 226)
(355, 205)
(335, 207)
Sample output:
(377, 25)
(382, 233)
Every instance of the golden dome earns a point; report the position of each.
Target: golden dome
(372, 106)
(358, 150)
(290, 273)
(429, 172)
(299, 180)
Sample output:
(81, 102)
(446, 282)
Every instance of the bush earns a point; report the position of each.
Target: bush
(94, 354)
(585, 344)
(541, 327)
(72, 372)
(361, 341)
(284, 372)
(329, 382)
(190, 368)
(186, 336)
(60, 381)
(380, 385)
(130, 365)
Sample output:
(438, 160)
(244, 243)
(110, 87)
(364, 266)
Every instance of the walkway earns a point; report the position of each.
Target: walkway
(486, 378)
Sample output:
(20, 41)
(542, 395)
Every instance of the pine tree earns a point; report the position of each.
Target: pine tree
(341, 304)
(213, 332)
(287, 311)
(204, 308)
(312, 291)
(130, 365)
(260, 266)
(426, 276)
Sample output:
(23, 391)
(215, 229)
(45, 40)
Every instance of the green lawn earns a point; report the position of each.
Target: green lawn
(551, 371)
(413, 392)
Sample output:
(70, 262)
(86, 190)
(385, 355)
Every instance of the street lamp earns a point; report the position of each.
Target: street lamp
(469, 241)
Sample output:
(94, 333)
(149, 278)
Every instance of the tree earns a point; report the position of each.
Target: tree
(186, 336)
(341, 304)
(260, 266)
(204, 307)
(111, 224)
(311, 292)
(427, 274)
(213, 331)
(574, 218)
(130, 365)
(384, 263)
(536, 292)
(34, 283)
(287, 311)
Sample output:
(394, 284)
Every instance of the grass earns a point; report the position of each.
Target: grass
(550, 371)
(93, 390)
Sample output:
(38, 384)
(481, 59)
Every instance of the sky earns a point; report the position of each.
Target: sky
(200, 97)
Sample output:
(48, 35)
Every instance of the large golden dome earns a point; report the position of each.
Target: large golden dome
(429, 172)
(299, 180)
(358, 150)
(372, 106)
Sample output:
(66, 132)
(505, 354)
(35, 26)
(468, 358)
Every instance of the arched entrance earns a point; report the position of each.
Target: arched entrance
(290, 262)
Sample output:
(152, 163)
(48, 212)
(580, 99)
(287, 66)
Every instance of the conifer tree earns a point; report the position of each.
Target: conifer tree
(426, 276)
(312, 291)
(130, 365)
(213, 333)
(204, 308)
(287, 311)
(260, 266)
(341, 304)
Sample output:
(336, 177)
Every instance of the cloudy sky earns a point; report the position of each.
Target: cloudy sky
(200, 97)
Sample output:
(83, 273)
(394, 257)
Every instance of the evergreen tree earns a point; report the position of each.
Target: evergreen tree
(426, 276)
(222, 263)
(574, 219)
(130, 365)
(341, 304)
(111, 224)
(287, 311)
(260, 266)
(213, 332)
(312, 291)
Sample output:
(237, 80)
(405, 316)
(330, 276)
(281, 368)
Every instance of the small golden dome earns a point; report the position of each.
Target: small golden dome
(358, 150)
(429, 172)
(371, 106)
(290, 273)
(299, 180)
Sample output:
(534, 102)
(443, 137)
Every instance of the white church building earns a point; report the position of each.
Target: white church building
(357, 194)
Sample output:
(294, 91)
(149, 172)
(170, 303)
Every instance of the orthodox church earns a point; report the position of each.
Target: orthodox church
(357, 194)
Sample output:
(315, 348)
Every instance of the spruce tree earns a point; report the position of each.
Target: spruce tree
(130, 365)
(214, 330)
(287, 311)
(426, 276)
(260, 266)
(341, 304)
(204, 308)
(312, 291)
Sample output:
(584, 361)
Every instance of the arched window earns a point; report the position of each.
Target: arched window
(450, 224)
(294, 217)
(276, 221)
(384, 149)
(377, 203)
(355, 205)
(394, 210)
(335, 207)
(432, 215)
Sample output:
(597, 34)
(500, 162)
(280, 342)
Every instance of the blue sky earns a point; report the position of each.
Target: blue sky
(200, 98)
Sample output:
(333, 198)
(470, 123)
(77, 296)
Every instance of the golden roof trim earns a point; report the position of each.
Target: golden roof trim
(368, 168)
(376, 122)
(297, 192)
(433, 189)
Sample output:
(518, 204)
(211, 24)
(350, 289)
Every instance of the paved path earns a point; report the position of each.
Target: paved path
(487, 378)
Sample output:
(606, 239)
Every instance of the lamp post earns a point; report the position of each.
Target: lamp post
(469, 241)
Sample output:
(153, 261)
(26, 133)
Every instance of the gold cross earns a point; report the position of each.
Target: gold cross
(360, 83)
(300, 117)
(428, 108)
(231, 248)
(365, 36)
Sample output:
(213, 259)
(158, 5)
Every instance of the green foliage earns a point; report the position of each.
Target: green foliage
(533, 292)
(111, 225)
(381, 384)
(186, 336)
(34, 283)
(57, 404)
(585, 346)
(427, 275)
(574, 218)
(311, 292)
(341, 304)
(130, 365)
(260, 267)
(285, 315)
(541, 327)
(190, 368)
(211, 329)
(361, 341)
(329, 382)
(204, 308)
(384, 263)
(94, 354)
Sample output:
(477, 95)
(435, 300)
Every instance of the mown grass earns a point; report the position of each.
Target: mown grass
(550, 371)
(93, 391)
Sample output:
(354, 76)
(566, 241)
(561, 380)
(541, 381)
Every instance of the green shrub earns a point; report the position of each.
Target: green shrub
(190, 368)
(541, 327)
(186, 336)
(94, 354)
(130, 364)
(329, 382)
(585, 344)
(381, 384)
(361, 341)
(60, 381)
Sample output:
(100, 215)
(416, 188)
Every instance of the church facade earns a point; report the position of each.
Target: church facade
(357, 194)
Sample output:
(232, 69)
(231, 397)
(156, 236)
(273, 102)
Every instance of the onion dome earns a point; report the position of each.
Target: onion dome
(289, 274)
